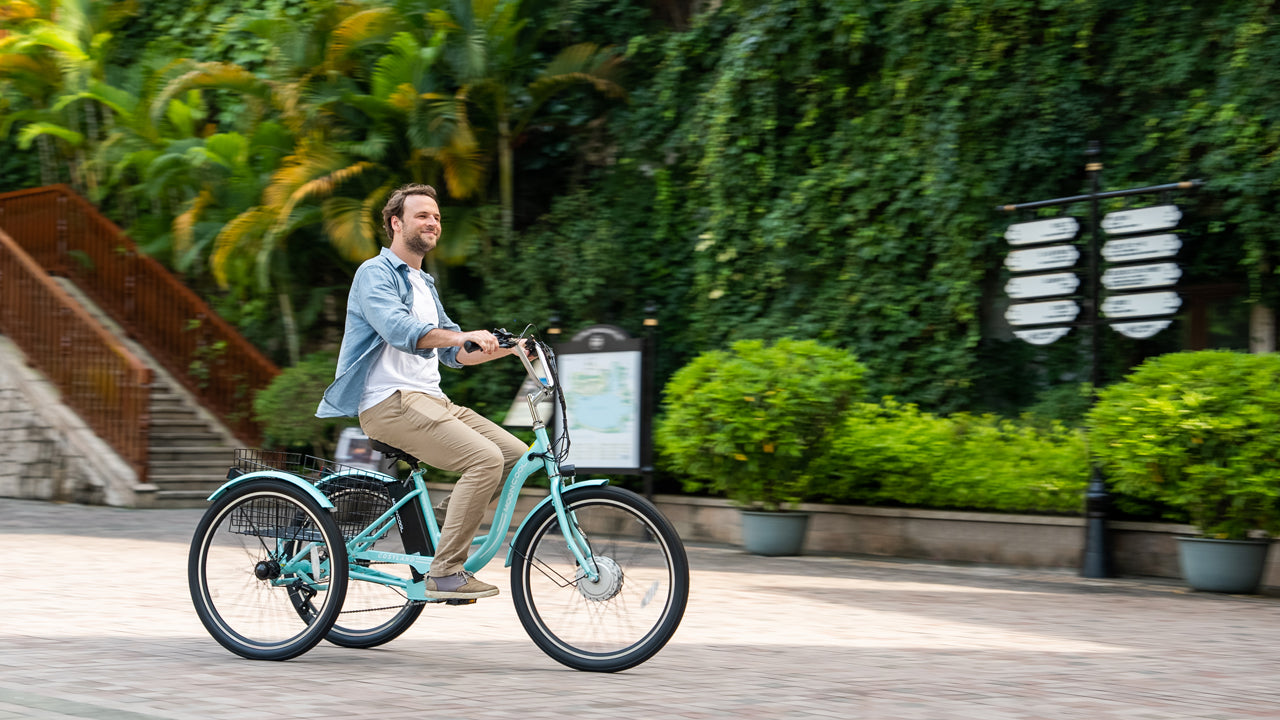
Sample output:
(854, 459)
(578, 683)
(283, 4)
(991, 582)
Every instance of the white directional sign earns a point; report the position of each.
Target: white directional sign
(1042, 336)
(1035, 286)
(1140, 330)
(1147, 247)
(1042, 313)
(1160, 217)
(1134, 277)
(1044, 258)
(1141, 304)
(1038, 231)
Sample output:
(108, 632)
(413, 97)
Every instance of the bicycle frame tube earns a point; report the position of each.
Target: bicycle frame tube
(533, 460)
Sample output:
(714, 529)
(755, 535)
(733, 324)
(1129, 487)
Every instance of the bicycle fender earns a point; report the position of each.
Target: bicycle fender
(545, 500)
(274, 475)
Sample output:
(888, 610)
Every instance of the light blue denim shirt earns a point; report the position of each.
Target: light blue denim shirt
(378, 314)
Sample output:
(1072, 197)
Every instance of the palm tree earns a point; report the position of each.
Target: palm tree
(361, 122)
(49, 58)
(492, 58)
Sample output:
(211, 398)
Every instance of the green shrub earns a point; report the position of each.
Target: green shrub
(749, 422)
(287, 407)
(892, 453)
(1197, 432)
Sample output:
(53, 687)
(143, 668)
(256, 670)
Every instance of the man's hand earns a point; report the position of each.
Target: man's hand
(485, 339)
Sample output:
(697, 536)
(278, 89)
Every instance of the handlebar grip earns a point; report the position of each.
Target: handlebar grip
(470, 346)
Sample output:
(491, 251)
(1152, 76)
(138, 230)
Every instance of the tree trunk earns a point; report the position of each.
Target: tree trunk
(505, 169)
(1262, 329)
(290, 327)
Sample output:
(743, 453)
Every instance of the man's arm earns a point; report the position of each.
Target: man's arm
(489, 350)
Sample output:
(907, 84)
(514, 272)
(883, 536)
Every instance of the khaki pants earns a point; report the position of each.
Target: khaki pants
(455, 438)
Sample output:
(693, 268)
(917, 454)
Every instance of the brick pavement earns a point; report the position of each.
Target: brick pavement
(95, 622)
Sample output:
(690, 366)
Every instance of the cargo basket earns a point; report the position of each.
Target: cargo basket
(359, 496)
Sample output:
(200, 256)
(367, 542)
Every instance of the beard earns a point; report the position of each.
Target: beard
(420, 242)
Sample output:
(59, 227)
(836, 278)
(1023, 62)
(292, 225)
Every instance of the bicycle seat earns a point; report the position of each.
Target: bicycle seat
(392, 453)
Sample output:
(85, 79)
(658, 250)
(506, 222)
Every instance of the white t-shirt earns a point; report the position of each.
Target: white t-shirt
(398, 370)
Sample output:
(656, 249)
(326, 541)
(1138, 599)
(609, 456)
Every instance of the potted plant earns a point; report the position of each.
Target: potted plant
(1196, 432)
(750, 423)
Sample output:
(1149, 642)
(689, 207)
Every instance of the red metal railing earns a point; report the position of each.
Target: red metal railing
(66, 235)
(107, 385)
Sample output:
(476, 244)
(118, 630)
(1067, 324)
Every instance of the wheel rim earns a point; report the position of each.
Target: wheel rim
(624, 607)
(256, 554)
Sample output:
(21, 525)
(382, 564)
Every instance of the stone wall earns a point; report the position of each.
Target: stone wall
(46, 450)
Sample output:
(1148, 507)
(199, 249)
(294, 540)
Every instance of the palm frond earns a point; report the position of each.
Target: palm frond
(184, 224)
(357, 30)
(244, 232)
(211, 75)
(348, 226)
(30, 132)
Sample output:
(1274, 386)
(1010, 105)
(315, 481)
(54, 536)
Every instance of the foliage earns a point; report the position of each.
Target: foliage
(893, 453)
(750, 421)
(822, 169)
(286, 408)
(1196, 432)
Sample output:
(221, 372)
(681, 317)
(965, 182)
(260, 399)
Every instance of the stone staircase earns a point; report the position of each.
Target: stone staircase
(189, 449)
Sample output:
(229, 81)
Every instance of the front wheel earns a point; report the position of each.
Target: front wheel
(633, 607)
(257, 552)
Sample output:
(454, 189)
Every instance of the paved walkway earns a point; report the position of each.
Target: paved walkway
(95, 622)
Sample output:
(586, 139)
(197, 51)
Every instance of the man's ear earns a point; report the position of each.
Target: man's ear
(395, 225)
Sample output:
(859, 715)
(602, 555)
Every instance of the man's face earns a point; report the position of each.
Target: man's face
(420, 223)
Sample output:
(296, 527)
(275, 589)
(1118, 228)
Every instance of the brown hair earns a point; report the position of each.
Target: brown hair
(395, 203)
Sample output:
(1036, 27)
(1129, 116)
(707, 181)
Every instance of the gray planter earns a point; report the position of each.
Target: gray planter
(1226, 566)
(774, 533)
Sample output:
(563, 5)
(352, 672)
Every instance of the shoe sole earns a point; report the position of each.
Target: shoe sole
(442, 595)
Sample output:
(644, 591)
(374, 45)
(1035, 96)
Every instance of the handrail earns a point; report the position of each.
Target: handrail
(66, 235)
(98, 377)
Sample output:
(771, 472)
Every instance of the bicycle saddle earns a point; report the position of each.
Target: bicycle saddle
(392, 453)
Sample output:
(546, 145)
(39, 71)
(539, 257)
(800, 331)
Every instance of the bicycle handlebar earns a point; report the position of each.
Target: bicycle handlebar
(508, 340)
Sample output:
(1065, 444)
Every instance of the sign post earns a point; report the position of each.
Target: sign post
(1140, 314)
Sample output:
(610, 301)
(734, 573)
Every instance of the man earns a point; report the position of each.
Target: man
(396, 336)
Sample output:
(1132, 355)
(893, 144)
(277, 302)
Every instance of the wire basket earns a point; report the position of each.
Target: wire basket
(359, 497)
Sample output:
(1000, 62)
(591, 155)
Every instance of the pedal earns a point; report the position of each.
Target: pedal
(460, 601)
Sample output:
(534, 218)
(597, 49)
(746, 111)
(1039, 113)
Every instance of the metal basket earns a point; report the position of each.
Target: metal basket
(358, 497)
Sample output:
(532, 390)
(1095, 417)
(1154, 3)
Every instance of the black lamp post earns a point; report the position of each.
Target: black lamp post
(648, 401)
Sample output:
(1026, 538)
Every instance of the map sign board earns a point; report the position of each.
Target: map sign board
(1146, 247)
(1038, 231)
(1042, 258)
(1133, 277)
(1042, 313)
(1141, 304)
(1035, 286)
(1148, 219)
(601, 371)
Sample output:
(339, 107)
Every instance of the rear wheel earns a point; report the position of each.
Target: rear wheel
(255, 552)
(634, 606)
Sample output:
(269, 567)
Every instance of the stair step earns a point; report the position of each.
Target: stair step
(180, 458)
(185, 437)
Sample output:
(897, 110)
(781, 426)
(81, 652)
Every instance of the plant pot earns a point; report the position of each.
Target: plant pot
(774, 533)
(1226, 566)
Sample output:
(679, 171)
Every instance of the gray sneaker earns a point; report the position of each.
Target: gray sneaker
(459, 586)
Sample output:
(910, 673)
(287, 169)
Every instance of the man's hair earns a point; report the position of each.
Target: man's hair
(395, 204)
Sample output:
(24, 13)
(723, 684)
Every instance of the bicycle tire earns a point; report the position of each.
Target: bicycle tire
(240, 576)
(372, 614)
(635, 607)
